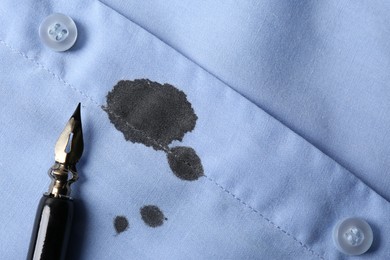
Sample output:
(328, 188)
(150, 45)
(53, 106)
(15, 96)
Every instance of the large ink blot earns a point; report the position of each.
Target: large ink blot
(156, 114)
(185, 163)
(121, 224)
(152, 216)
(150, 113)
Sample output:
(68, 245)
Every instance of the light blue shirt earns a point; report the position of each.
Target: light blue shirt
(290, 116)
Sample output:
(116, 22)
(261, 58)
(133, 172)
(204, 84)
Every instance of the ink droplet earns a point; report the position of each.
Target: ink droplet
(152, 216)
(150, 113)
(120, 224)
(185, 163)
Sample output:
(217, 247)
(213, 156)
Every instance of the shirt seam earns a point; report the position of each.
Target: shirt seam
(63, 81)
(233, 89)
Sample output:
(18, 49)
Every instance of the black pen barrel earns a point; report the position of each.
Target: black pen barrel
(51, 230)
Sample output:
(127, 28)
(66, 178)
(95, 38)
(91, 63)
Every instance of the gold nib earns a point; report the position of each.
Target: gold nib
(69, 146)
(68, 151)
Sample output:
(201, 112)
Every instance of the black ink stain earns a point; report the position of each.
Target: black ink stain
(185, 163)
(152, 216)
(155, 114)
(150, 113)
(121, 224)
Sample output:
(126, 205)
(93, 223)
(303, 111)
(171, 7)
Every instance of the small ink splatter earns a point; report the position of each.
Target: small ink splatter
(185, 163)
(150, 113)
(152, 216)
(121, 224)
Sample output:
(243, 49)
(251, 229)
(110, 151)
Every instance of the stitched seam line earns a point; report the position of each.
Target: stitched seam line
(264, 217)
(285, 124)
(165, 149)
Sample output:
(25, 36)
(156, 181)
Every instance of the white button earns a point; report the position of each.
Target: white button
(58, 32)
(353, 236)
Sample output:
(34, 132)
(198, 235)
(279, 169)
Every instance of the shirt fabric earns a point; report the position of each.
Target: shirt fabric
(292, 107)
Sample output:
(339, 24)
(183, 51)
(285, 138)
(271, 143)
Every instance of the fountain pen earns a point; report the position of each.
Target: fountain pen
(54, 215)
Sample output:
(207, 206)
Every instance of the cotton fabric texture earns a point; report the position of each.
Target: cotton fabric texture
(292, 105)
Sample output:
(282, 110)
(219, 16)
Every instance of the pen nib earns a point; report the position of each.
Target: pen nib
(70, 145)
